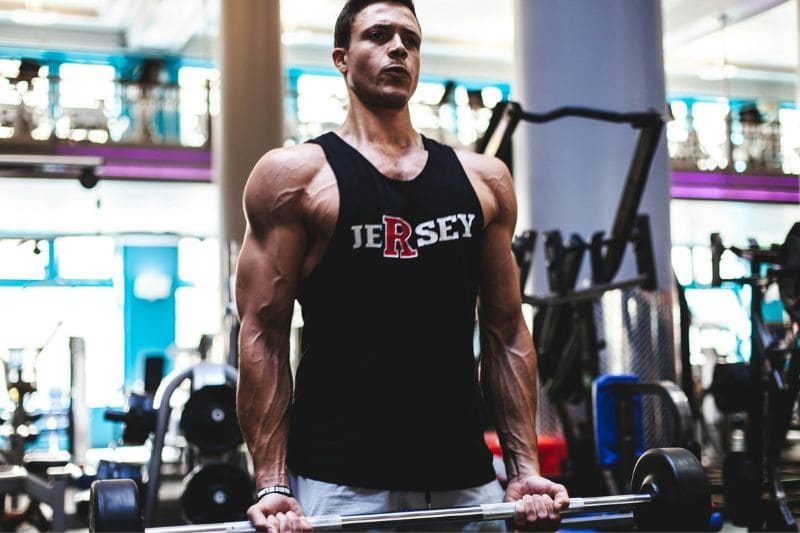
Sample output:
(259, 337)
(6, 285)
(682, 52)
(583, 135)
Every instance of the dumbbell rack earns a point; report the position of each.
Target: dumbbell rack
(201, 374)
(15, 479)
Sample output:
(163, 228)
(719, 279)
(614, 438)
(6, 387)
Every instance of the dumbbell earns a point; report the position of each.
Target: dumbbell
(672, 493)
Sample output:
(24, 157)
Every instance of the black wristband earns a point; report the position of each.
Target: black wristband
(274, 489)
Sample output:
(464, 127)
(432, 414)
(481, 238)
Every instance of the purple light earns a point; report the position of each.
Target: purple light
(155, 172)
(184, 155)
(718, 193)
(789, 183)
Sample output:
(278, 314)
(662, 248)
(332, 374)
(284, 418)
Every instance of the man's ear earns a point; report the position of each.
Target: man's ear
(339, 56)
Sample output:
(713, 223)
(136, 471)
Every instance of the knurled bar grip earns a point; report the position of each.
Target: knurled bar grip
(491, 511)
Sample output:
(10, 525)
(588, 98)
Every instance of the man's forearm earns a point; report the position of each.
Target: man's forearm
(508, 372)
(264, 398)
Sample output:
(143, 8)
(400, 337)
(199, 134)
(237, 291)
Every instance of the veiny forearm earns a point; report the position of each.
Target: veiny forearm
(264, 398)
(508, 374)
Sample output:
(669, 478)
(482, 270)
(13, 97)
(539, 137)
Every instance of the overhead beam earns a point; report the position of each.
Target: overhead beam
(154, 26)
(687, 21)
(60, 38)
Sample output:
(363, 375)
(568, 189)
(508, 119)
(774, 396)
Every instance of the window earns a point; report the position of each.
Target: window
(198, 309)
(85, 257)
(87, 95)
(24, 259)
(790, 139)
(682, 264)
(36, 322)
(321, 104)
(709, 119)
(23, 102)
(199, 98)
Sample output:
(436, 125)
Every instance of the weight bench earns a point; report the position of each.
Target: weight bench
(16, 479)
(619, 427)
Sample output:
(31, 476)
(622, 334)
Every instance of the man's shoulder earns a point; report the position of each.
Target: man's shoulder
(486, 167)
(280, 179)
(492, 182)
(290, 165)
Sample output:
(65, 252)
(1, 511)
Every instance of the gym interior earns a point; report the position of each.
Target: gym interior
(655, 152)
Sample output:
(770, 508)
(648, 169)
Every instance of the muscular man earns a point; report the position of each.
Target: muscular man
(388, 240)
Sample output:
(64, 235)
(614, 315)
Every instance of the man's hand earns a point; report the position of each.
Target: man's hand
(538, 502)
(278, 513)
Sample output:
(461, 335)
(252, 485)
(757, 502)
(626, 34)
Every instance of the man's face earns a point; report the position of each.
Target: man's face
(381, 65)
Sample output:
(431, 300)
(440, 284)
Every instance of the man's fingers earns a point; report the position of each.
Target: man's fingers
(305, 524)
(297, 523)
(294, 521)
(273, 526)
(283, 522)
(257, 518)
(561, 499)
(549, 511)
(541, 507)
(532, 506)
(522, 510)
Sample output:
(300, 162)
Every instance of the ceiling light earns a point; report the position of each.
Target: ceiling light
(33, 18)
(717, 72)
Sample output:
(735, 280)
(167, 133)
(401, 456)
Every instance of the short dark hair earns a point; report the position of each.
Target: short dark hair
(344, 22)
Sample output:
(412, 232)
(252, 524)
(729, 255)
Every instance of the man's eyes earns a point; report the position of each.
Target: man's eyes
(383, 35)
(411, 42)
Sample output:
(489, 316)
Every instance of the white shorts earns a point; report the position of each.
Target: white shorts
(322, 498)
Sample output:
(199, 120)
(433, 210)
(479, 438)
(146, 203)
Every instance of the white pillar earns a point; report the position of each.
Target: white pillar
(604, 54)
(251, 112)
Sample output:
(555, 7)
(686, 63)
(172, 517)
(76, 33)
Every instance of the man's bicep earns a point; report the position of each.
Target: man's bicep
(500, 292)
(272, 252)
(267, 274)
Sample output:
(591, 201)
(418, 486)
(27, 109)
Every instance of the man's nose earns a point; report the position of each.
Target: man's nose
(397, 48)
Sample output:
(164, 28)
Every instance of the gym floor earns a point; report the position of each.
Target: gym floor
(169, 511)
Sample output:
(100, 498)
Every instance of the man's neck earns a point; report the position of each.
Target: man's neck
(390, 129)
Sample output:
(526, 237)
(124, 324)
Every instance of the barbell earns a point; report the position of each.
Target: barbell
(671, 493)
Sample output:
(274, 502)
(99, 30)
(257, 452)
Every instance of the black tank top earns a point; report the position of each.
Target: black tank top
(386, 392)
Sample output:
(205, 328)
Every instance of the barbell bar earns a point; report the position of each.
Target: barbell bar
(671, 493)
(491, 511)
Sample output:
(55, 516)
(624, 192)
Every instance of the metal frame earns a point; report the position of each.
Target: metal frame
(50, 491)
(650, 123)
(200, 374)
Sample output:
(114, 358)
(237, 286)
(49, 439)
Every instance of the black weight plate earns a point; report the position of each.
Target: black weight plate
(216, 492)
(789, 281)
(140, 420)
(114, 506)
(730, 386)
(208, 419)
(682, 494)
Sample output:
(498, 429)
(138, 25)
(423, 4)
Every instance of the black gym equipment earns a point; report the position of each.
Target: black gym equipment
(564, 331)
(202, 375)
(110, 501)
(671, 493)
(41, 476)
(523, 247)
(208, 419)
(216, 492)
(618, 423)
(138, 417)
(765, 389)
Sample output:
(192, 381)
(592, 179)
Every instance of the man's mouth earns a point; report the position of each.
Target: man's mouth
(396, 70)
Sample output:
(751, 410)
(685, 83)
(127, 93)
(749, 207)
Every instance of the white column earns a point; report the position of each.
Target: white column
(251, 112)
(604, 54)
